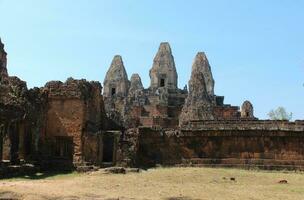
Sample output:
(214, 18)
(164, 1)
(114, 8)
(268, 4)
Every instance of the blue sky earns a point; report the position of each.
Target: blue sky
(255, 47)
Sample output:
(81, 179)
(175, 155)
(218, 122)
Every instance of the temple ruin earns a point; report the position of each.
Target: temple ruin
(80, 124)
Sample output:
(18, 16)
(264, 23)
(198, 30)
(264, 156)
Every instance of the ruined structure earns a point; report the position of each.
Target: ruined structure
(158, 105)
(61, 125)
(72, 124)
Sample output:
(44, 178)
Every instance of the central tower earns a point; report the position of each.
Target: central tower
(163, 72)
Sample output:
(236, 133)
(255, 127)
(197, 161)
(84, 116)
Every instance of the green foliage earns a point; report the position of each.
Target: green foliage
(280, 114)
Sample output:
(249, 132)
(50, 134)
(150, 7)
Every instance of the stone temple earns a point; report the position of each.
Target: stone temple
(84, 125)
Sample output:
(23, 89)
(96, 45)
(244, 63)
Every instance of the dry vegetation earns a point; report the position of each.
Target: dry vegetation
(161, 183)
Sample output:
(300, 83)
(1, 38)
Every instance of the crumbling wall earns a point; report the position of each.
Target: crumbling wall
(74, 112)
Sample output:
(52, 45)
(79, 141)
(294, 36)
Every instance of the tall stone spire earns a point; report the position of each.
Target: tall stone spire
(202, 63)
(199, 103)
(3, 61)
(116, 82)
(163, 72)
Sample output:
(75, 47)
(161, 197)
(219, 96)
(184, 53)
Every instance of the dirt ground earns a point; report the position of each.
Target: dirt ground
(160, 183)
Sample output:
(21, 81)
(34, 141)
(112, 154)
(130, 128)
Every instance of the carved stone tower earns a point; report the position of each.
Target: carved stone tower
(247, 110)
(199, 103)
(116, 82)
(163, 72)
(205, 68)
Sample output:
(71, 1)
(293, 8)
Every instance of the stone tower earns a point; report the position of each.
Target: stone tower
(202, 61)
(116, 82)
(163, 72)
(247, 110)
(3, 61)
(136, 84)
(199, 103)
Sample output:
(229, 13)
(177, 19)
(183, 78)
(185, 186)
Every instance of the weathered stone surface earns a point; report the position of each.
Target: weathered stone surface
(203, 63)
(265, 148)
(116, 82)
(74, 116)
(199, 104)
(163, 72)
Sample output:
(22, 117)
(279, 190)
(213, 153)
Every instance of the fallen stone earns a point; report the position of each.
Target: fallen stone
(116, 170)
(283, 182)
(133, 170)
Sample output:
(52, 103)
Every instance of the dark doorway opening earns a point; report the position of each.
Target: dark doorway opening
(113, 92)
(108, 149)
(28, 144)
(162, 82)
(64, 148)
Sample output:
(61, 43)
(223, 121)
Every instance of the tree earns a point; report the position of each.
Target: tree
(280, 114)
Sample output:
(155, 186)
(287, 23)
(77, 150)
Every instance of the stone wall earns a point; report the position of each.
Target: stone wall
(266, 144)
(75, 113)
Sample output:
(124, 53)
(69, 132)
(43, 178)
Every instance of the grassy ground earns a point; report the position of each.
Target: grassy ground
(160, 183)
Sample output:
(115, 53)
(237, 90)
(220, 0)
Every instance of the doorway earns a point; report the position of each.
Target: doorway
(108, 149)
(113, 91)
(64, 148)
(162, 82)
